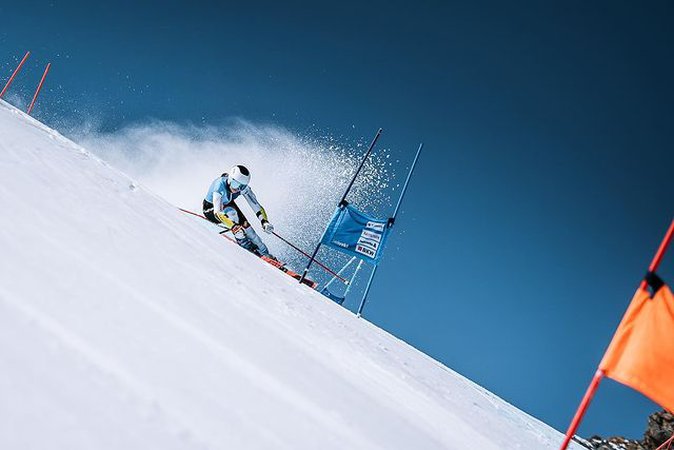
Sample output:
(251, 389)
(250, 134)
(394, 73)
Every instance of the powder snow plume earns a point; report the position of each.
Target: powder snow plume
(297, 179)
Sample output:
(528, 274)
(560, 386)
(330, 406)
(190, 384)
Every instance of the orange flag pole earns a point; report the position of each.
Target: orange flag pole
(661, 252)
(589, 394)
(599, 375)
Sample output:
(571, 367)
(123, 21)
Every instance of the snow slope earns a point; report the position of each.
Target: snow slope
(127, 325)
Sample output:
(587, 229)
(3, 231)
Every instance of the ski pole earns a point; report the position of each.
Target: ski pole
(222, 233)
(327, 269)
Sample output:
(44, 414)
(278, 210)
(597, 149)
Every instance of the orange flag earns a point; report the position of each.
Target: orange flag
(641, 354)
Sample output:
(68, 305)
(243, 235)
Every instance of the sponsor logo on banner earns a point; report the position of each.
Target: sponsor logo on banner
(368, 243)
(365, 251)
(370, 235)
(369, 239)
(376, 226)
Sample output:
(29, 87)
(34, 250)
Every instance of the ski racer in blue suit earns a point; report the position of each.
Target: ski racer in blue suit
(220, 208)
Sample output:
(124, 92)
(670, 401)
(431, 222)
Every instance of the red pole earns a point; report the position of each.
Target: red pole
(661, 252)
(16, 71)
(599, 375)
(39, 88)
(667, 444)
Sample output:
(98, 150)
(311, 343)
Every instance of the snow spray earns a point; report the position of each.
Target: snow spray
(298, 179)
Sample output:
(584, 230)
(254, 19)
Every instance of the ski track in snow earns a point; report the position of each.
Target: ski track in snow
(126, 324)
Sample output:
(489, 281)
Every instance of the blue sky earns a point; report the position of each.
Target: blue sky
(544, 189)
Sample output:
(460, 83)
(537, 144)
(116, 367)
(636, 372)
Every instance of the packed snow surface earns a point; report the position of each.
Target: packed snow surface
(125, 324)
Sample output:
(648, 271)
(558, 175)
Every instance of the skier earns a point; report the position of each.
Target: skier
(219, 208)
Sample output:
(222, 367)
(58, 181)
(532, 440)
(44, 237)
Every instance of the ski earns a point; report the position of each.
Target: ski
(282, 267)
(276, 263)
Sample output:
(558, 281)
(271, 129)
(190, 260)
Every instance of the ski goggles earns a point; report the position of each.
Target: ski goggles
(237, 185)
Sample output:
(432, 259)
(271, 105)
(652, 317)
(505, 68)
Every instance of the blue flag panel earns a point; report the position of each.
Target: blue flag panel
(352, 232)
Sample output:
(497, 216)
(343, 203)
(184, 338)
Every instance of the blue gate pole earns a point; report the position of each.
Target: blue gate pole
(362, 163)
(343, 200)
(391, 221)
(353, 277)
(341, 271)
(407, 181)
(367, 289)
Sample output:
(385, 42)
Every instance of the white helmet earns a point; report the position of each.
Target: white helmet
(238, 178)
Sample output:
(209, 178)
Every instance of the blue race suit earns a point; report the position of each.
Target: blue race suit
(220, 208)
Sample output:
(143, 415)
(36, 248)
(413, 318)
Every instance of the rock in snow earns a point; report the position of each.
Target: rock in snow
(660, 430)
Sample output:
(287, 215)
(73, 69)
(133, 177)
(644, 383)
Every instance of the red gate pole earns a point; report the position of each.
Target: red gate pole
(16, 71)
(39, 88)
(599, 375)
(667, 444)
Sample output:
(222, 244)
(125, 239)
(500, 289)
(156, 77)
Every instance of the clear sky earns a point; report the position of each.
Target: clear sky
(544, 190)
